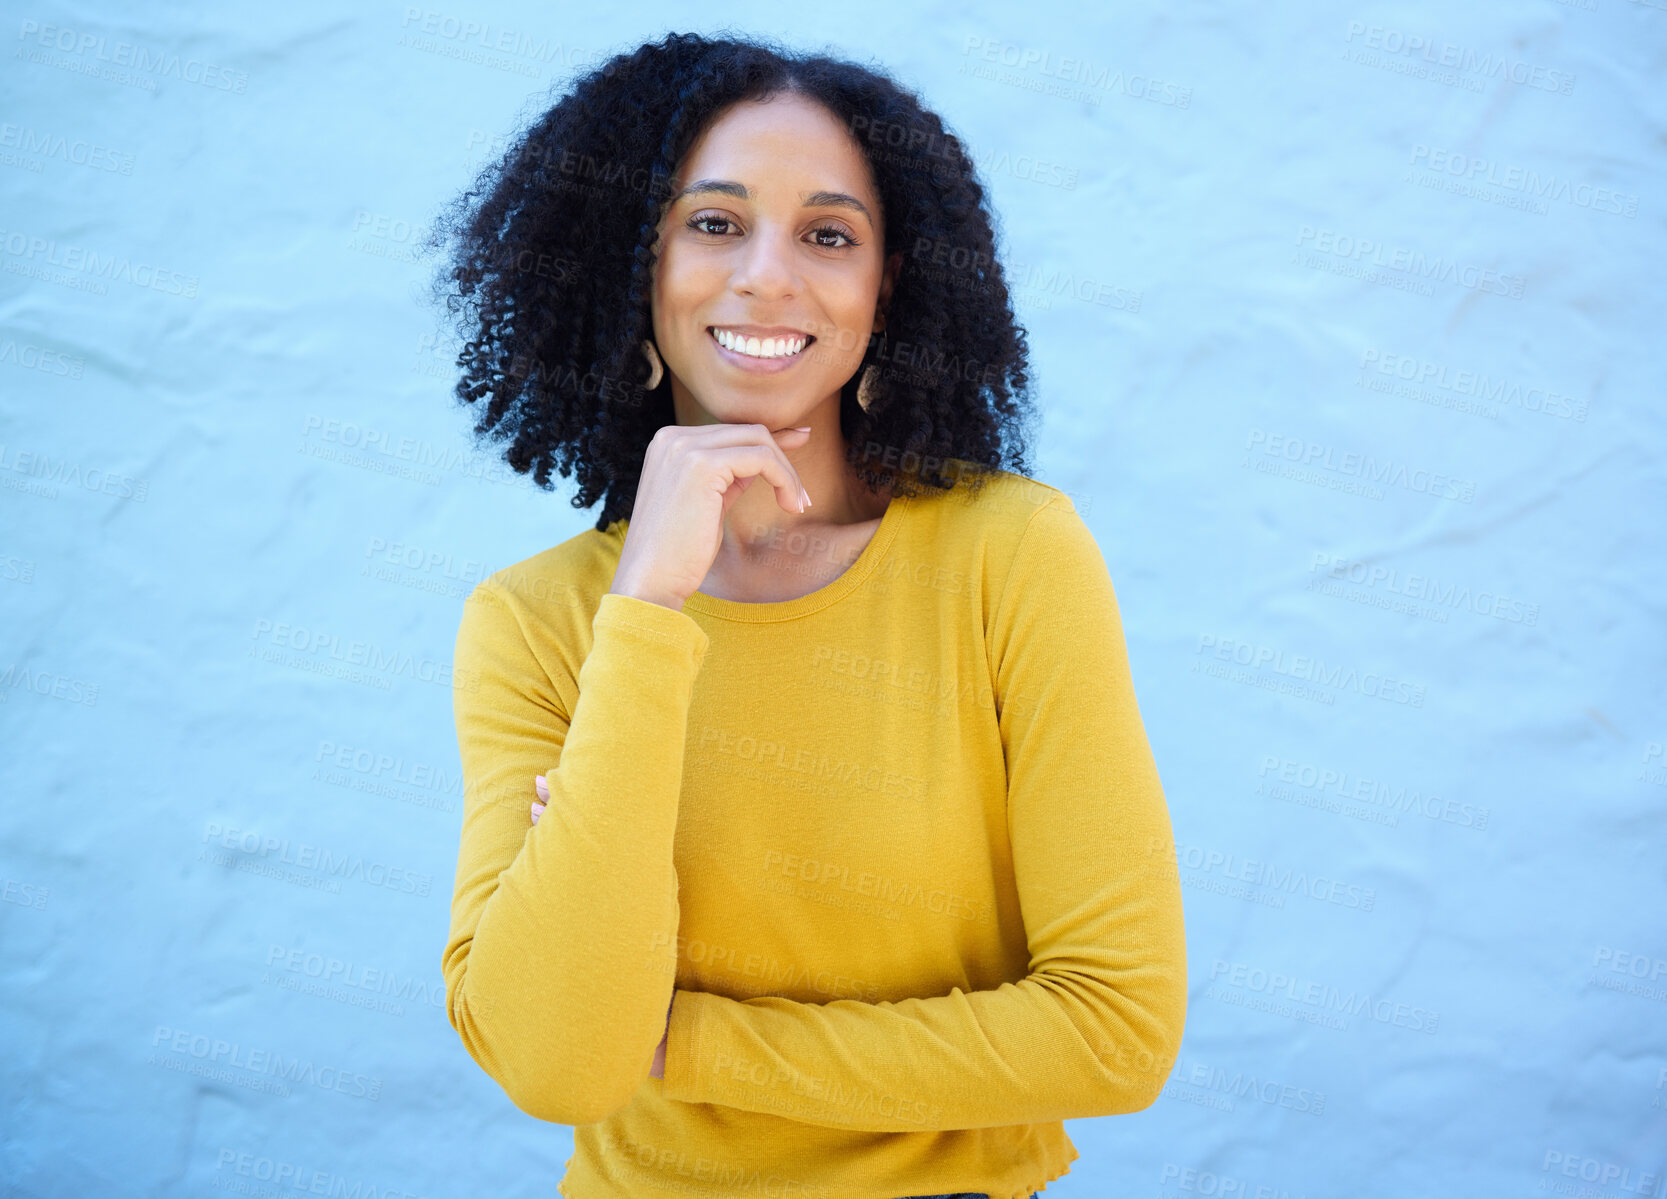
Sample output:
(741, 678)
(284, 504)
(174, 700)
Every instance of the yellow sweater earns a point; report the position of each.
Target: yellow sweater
(899, 845)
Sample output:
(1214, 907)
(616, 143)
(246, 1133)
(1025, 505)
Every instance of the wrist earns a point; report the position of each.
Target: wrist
(647, 594)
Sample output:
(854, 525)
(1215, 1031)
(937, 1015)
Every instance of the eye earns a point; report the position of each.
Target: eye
(701, 221)
(707, 218)
(837, 232)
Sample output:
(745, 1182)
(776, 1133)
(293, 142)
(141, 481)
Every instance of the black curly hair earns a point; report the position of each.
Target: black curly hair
(550, 277)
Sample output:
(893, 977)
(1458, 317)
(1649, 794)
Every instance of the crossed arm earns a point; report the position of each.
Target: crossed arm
(1095, 1025)
(559, 965)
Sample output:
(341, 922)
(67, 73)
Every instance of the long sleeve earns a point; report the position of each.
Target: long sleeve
(560, 959)
(1095, 1026)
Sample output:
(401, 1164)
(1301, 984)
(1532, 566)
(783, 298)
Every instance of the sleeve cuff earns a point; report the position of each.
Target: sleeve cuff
(683, 1056)
(674, 627)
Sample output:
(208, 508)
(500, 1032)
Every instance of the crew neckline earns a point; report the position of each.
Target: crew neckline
(852, 577)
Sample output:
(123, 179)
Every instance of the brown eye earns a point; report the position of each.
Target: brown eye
(837, 232)
(709, 218)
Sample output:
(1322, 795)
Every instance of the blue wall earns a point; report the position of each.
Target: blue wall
(1347, 328)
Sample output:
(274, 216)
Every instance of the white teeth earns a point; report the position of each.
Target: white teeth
(752, 347)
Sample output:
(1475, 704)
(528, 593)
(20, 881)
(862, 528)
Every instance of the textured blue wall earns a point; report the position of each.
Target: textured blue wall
(1347, 324)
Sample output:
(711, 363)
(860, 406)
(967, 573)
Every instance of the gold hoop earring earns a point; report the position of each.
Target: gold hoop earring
(655, 371)
(865, 389)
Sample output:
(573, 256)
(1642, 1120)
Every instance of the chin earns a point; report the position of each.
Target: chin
(771, 413)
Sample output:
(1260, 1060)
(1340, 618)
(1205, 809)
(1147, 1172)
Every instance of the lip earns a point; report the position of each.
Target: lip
(760, 366)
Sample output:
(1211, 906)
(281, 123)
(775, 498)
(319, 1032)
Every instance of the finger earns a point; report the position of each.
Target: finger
(732, 435)
(729, 432)
(731, 463)
(736, 490)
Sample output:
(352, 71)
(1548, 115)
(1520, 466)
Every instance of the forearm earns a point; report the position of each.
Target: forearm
(1051, 1047)
(562, 988)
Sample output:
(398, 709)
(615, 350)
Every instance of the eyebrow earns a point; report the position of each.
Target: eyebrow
(815, 199)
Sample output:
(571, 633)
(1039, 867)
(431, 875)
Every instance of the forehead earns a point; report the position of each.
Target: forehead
(787, 144)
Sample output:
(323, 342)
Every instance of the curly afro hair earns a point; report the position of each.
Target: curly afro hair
(550, 255)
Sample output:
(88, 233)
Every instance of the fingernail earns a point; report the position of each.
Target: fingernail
(801, 428)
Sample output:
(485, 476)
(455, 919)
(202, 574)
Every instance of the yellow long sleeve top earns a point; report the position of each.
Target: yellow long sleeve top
(894, 852)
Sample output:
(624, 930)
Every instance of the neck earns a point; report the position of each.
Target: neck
(756, 523)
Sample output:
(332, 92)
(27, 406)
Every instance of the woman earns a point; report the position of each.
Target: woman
(812, 840)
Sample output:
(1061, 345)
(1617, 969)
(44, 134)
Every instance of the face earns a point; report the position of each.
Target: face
(777, 234)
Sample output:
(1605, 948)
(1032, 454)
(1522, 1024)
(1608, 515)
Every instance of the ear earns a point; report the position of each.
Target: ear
(888, 280)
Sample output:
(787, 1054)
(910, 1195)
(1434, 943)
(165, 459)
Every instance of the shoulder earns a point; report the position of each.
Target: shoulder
(1033, 542)
(568, 572)
(553, 595)
(534, 618)
(997, 509)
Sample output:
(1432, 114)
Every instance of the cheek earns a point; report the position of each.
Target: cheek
(851, 310)
(682, 284)
(852, 301)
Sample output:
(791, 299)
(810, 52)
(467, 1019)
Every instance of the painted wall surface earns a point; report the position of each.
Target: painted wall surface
(1346, 326)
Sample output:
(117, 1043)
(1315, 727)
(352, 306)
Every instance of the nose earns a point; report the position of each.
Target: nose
(765, 268)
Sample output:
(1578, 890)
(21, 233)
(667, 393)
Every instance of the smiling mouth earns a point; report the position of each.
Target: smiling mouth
(763, 348)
